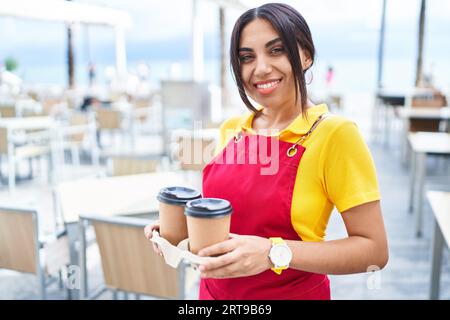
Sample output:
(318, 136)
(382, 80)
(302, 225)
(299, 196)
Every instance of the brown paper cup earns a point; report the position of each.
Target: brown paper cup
(172, 201)
(208, 222)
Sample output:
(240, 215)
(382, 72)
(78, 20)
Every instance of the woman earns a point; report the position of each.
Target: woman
(277, 248)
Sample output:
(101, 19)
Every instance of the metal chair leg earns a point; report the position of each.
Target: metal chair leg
(60, 280)
(41, 285)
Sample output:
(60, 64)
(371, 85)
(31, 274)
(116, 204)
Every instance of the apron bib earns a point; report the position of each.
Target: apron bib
(257, 175)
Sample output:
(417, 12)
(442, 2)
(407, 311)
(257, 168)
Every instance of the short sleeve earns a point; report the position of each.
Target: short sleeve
(349, 171)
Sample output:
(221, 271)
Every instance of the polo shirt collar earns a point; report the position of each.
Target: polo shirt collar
(299, 126)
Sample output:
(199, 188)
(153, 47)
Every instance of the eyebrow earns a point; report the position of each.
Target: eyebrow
(268, 44)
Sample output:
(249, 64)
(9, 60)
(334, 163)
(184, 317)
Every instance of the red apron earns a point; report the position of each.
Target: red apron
(261, 207)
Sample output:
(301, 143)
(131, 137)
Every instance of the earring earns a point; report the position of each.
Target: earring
(310, 77)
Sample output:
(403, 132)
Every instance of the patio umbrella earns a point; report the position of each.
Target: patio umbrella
(223, 5)
(70, 13)
(381, 47)
(223, 54)
(70, 56)
(197, 41)
(419, 67)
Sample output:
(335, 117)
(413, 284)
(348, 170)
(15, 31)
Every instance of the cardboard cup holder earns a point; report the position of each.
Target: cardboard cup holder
(173, 255)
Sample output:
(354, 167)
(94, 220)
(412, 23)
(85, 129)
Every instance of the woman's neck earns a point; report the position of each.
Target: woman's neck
(278, 118)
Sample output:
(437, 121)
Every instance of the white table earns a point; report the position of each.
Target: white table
(423, 144)
(420, 113)
(122, 195)
(27, 123)
(440, 203)
(423, 113)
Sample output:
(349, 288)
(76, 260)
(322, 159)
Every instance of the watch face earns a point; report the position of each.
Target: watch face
(280, 255)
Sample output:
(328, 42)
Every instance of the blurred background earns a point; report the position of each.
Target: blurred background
(102, 103)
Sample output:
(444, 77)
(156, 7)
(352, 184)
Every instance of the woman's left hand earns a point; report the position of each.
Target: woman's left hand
(240, 256)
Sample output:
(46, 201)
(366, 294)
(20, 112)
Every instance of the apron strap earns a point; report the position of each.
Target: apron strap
(293, 150)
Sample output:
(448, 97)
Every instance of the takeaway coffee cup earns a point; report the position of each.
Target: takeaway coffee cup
(208, 222)
(172, 201)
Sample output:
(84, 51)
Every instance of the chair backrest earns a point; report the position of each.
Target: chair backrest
(3, 140)
(130, 264)
(108, 119)
(125, 165)
(78, 119)
(18, 237)
(426, 98)
(195, 152)
(49, 104)
(8, 111)
(141, 102)
(427, 125)
(429, 99)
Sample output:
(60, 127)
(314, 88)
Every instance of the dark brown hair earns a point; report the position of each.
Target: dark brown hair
(293, 31)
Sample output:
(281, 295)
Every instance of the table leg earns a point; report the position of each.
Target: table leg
(56, 157)
(72, 233)
(95, 152)
(438, 243)
(405, 145)
(421, 172)
(82, 259)
(412, 183)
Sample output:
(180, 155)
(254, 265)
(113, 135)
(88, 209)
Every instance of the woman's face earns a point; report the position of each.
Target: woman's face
(265, 67)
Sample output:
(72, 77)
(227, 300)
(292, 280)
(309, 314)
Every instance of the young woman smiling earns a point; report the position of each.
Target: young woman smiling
(277, 247)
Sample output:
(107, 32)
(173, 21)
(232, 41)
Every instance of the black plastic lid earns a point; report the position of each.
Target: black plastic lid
(208, 208)
(177, 195)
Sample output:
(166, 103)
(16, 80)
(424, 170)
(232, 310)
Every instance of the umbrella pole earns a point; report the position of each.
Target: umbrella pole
(419, 67)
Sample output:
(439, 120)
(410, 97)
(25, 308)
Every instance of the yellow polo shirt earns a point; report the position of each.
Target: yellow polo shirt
(336, 169)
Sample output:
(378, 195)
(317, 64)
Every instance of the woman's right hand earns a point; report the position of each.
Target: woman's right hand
(148, 230)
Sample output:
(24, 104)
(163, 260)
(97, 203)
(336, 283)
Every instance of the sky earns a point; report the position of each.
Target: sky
(342, 29)
(156, 19)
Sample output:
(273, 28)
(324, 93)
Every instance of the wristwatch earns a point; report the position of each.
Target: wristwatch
(280, 255)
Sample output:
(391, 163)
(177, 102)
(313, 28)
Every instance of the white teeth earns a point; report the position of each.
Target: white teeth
(267, 85)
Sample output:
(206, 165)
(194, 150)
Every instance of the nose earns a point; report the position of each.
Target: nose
(263, 67)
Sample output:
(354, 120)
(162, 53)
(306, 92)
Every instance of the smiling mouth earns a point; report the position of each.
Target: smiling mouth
(267, 87)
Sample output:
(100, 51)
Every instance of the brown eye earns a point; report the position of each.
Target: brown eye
(277, 50)
(245, 58)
